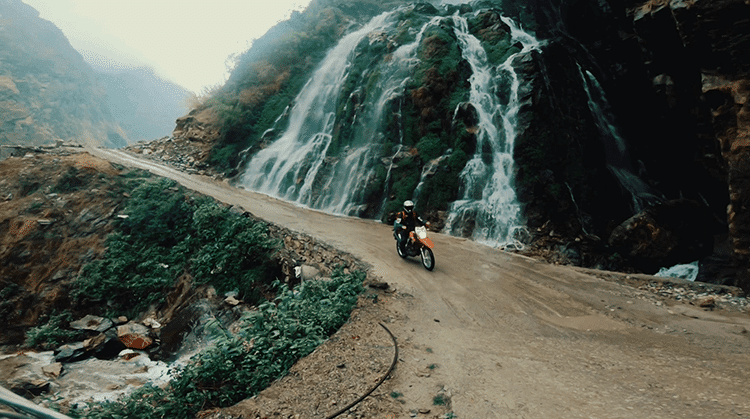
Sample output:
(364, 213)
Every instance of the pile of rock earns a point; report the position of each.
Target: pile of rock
(702, 295)
(30, 374)
(183, 155)
(303, 257)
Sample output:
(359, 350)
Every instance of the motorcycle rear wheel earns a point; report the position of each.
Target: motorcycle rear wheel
(428, 259)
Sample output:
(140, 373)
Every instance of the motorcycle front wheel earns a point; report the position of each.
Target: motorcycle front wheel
(400, 250)
(428, 259)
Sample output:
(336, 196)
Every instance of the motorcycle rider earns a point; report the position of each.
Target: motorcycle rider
(405, 222)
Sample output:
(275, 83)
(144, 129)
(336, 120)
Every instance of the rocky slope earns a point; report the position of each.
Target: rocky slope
(47, 91)
(57, 207)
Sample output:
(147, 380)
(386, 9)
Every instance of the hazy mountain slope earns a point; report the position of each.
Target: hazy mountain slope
(47, 91)
(145, 105)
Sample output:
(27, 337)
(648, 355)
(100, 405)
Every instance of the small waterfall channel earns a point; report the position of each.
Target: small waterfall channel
(615, 147)
(487, 180)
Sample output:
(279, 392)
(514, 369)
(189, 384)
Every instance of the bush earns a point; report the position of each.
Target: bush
(69, 181)
(238, 366)
(168, 233)
(51, 334)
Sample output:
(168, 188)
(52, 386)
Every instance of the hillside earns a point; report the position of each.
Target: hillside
(608, 135)
(47, 91)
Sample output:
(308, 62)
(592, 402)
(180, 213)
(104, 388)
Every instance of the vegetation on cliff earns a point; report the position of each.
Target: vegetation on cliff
(166, 233)
(421, 140)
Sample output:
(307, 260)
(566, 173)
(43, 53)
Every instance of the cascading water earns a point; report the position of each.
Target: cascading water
(488, 196)
(289, 166)
(303, 166)
(352, 173)
(297, 167)
(615, 147)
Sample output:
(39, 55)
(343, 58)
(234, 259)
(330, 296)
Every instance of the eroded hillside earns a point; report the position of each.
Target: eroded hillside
(47, 91)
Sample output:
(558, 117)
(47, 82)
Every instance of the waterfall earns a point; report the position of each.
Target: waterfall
(488, 196)
(297, 166)
(351, 175)
(615, 147)
(288, 168)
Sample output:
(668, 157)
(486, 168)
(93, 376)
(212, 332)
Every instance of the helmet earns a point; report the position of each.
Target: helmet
(408, 207)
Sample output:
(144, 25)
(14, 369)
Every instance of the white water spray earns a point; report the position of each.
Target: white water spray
(288, 167)
(488, 196)
(296, 167)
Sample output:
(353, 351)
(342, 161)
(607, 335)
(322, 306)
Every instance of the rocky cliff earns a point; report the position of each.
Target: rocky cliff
(674, 74)
(47, 91)
(626, 126)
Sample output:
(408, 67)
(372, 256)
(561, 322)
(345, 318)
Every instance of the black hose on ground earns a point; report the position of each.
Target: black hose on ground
(382, 379)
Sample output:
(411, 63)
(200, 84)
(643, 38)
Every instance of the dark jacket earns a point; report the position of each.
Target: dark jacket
(410, 220)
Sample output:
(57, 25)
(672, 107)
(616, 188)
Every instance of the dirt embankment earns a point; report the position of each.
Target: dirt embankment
(56, 209)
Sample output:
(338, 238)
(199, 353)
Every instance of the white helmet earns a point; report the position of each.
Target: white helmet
(408, 206)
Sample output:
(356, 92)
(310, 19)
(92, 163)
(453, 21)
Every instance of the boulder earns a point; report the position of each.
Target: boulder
(71, 352)
(307, 272)
(678, 231)
(22, 375)
(134, 335)
(53, 370)
(104, 345)
(94, 323)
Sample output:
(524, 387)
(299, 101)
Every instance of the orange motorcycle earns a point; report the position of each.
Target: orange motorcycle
(417, 244)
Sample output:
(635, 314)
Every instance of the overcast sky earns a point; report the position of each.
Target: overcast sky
(185, 41)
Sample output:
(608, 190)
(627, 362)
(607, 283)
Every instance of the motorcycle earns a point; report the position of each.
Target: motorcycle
(417, 244)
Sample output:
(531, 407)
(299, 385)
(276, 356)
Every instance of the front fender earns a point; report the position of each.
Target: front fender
(427, 242)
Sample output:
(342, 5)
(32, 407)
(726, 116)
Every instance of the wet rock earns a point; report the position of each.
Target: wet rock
(21, 375)
(707, 302)
(134, 335)
(152, 323)
(29, 388)
(104, 345)
(72, 352)
(467, 113)
(94, 323)
(379, 285)
(53, 370)
(678, 231)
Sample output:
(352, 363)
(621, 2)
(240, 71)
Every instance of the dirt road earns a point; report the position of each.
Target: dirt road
(513, 337)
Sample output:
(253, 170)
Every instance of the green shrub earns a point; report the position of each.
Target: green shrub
(69, 181)
(167, 233)
(430, 147)
(51, 334)
(238, 366)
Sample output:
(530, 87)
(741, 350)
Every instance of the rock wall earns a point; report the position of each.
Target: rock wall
(676, 76)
